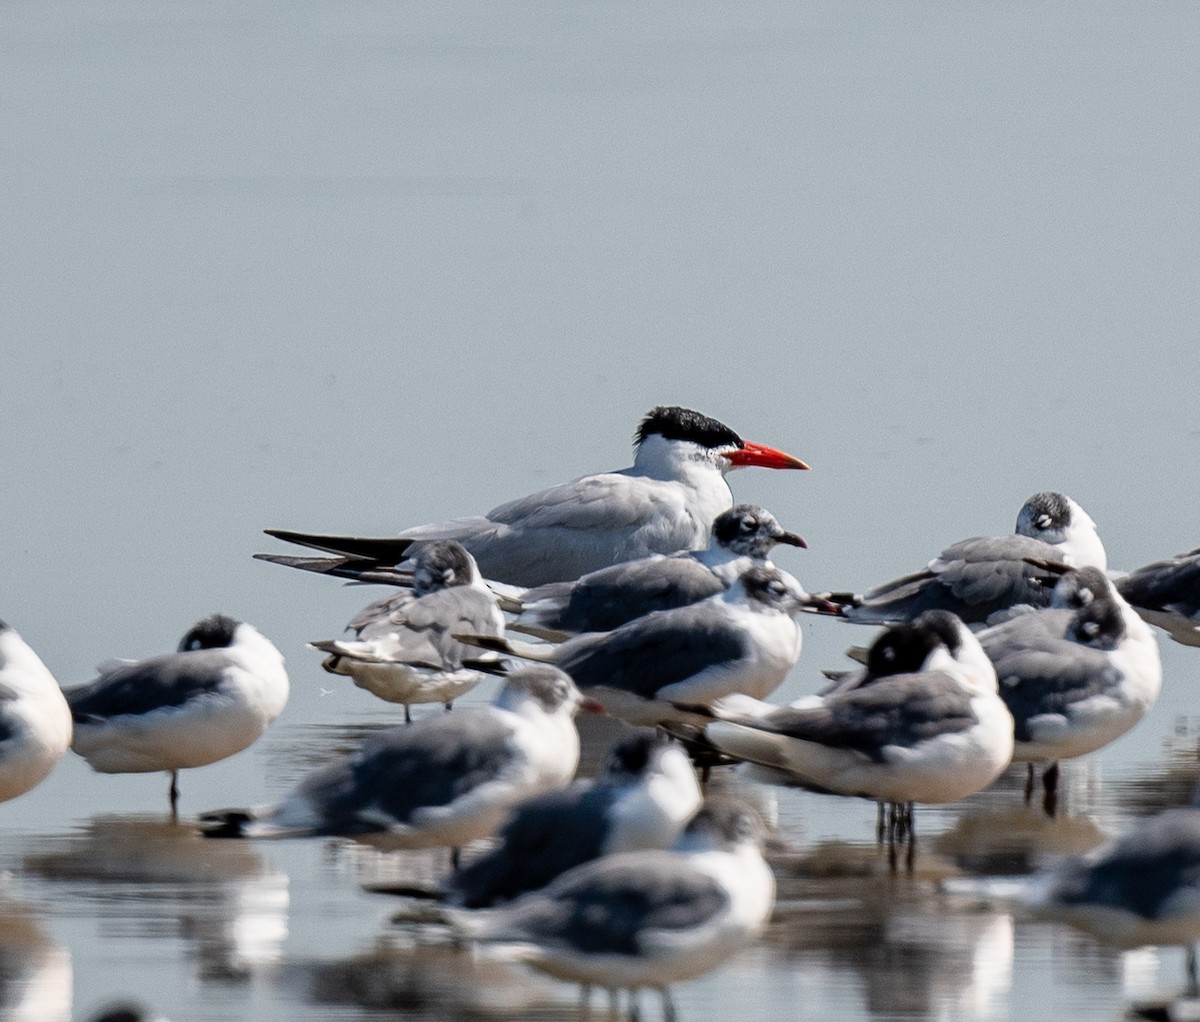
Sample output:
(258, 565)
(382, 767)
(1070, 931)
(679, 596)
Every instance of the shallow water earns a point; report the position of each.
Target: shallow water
(361, 266)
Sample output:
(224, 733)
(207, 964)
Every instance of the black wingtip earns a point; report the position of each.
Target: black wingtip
(225, 823)
(381, 549)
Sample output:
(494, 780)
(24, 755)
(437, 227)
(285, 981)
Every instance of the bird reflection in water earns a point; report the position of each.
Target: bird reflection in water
(147, 876)
(35, 970)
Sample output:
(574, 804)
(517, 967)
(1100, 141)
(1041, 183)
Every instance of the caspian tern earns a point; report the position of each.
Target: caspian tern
(406, 651)
(933, 734)
(439, 781)
(610, 597)
(1167, 594)
(642, 919)
(213, 697)
(35, 721)
(666, 501)
(980, 579)
(642, 799)
(1074, 680)
(648, 671)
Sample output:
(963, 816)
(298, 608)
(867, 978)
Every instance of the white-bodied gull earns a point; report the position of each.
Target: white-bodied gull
(744, 640)
(1074, 680)
(666, 501)
(439, 781)
(213, 697)
(406, 651)
(642, 919)
(982, 578)
(35, 721)
(925, 724)
(642, 799)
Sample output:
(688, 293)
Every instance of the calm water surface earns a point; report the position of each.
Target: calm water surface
(358, 266)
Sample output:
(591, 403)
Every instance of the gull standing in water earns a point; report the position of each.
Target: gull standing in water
(439, 781)
(35, 721)
(924, 724)
(651, 670)
(642, 799)
(1074, 680)
(642, 919)
(213, 697)
(666, 501)
(406, 651)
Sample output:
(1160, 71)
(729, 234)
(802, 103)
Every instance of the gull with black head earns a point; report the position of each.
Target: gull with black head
(213, 697)
(924, 724)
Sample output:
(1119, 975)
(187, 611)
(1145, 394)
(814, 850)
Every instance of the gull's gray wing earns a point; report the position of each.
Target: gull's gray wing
(655, 651)
(608, 906)
(405, 769)
(1042, 674)
(604, 600)
(1172, 585)
(898, 710)
(422, 631)
(974, 579)
(543, 838)
(158, 683)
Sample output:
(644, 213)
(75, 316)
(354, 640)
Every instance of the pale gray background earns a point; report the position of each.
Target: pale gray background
(357, 266)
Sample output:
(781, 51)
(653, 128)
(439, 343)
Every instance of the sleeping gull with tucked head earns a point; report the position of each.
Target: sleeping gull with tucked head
(35, 721)
(213, 697)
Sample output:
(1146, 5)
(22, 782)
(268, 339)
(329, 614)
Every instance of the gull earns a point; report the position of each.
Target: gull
(981, 579)
(213, 697)
(666, 501)
(650, 670)
(439, 781)
(642, 919)
(1167, 594)
(35, 721)
(925, 724)
(406, 651)
(1073, 679)
(642, 799)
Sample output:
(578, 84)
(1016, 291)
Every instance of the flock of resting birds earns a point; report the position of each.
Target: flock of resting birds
(653, 598)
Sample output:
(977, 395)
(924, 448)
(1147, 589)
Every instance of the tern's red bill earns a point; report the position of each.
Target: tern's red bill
(762, 456)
